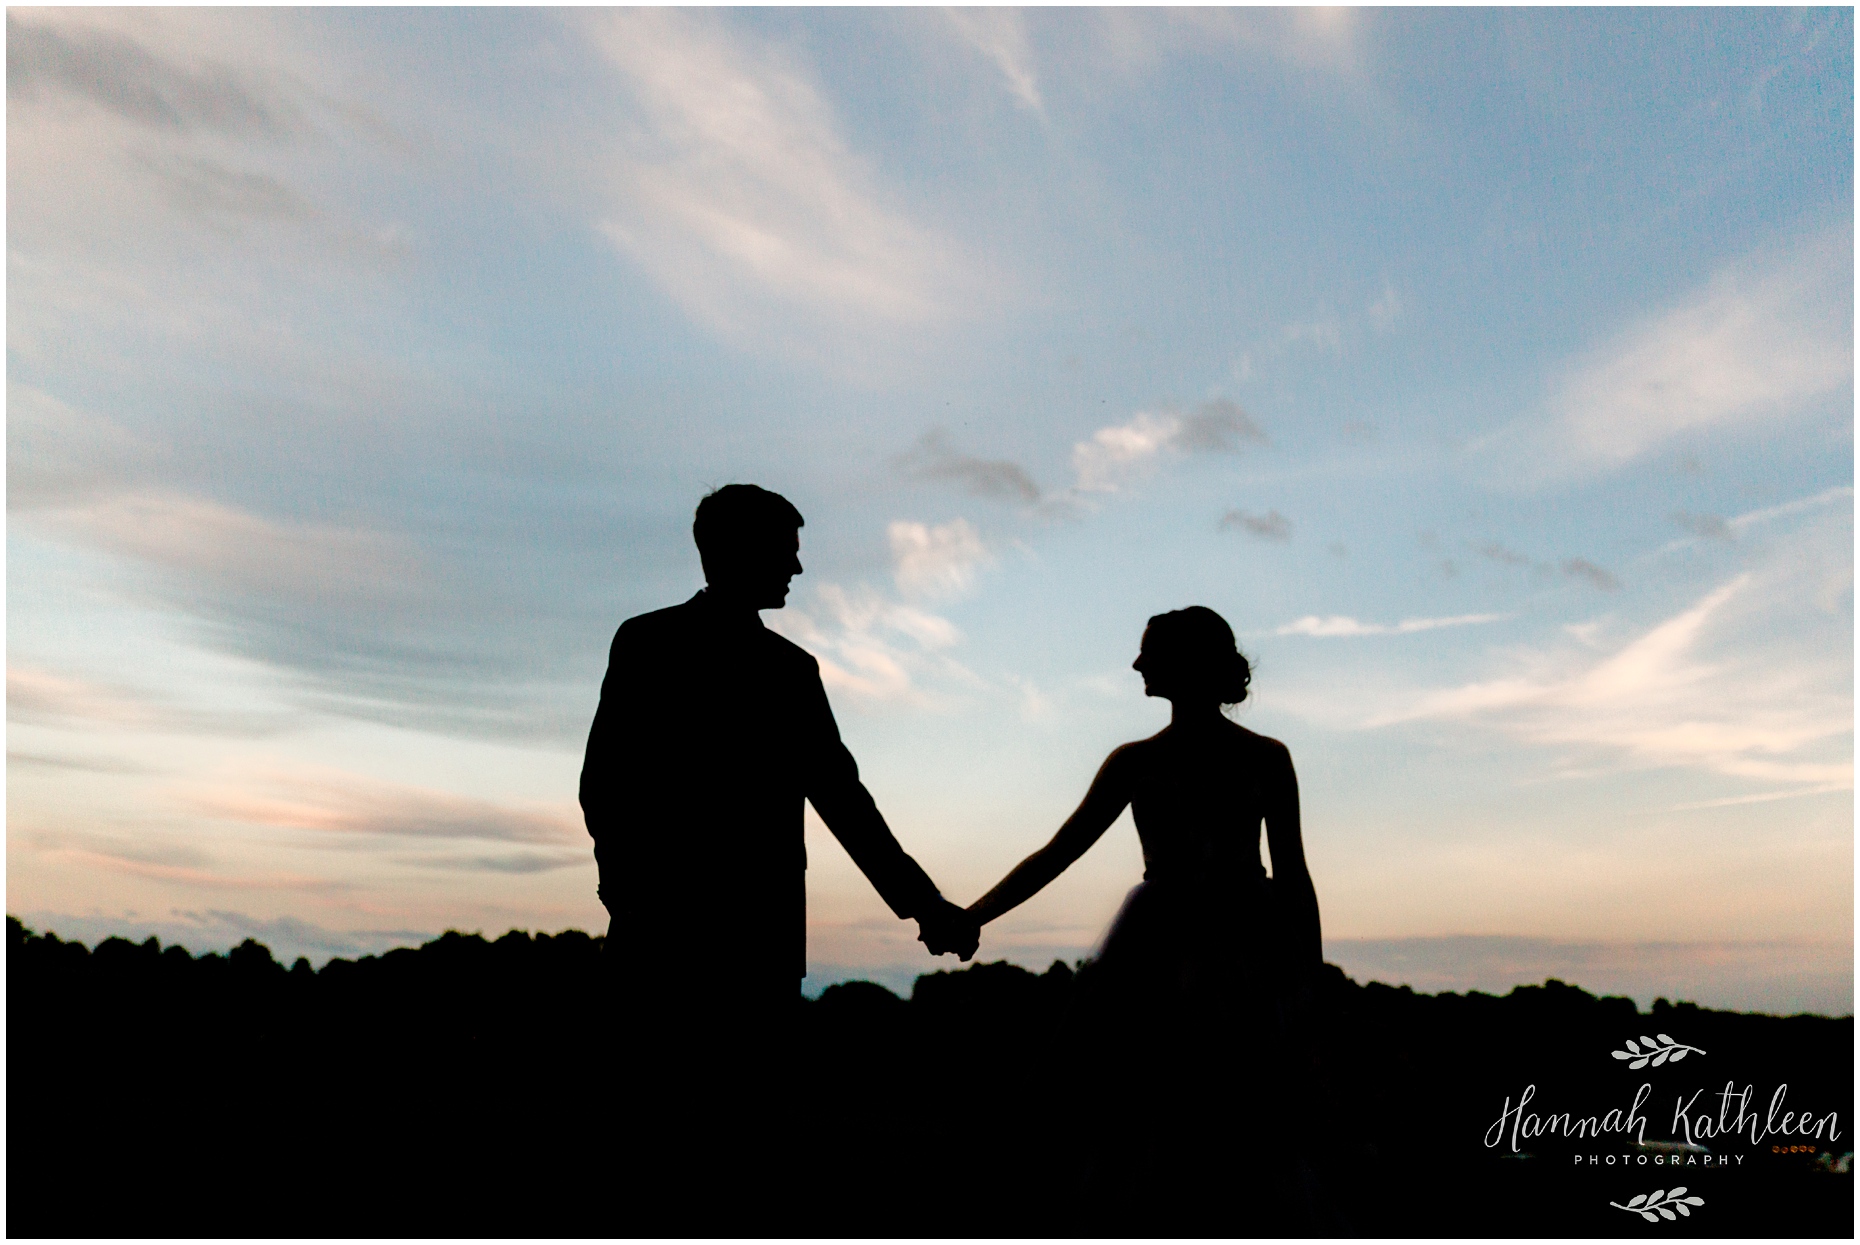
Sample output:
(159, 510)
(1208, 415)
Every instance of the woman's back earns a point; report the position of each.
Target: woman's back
(1199, 797)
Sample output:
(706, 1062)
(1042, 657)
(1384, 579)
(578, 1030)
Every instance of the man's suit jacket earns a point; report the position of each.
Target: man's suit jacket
(711, 732)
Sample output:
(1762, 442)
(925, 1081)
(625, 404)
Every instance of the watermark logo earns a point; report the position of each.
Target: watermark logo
(1655, 1051)
(1650, 1207)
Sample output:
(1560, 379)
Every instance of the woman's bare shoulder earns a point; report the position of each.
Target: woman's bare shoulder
(1133, 753)
(1264, 747)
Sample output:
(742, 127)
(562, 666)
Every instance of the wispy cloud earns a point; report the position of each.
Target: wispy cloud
(1496, 552)
(1711, 527)
(738, 193)
(207, 188)
(73, 764)
(516, 862)
(1659, 701)
(1704, 526)
(50, 698)
(935, 458)
(1001, 36)
(178, 864)
(1763, 338)
(1590, 573)
(127, 78)
(1115, 453)
(58, 454)
(1572, 568)
(1386, 310)
(1799, 505)
(242, 552)
(1269, 526)
(1324, 333)
(1342, 625)
(1327, 40)
(344, 803)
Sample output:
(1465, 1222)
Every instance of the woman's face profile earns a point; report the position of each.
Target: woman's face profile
(1147, 665)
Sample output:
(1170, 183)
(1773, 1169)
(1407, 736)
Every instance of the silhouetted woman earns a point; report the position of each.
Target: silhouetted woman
(1187, 992)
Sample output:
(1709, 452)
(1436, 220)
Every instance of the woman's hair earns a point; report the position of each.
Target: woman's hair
(1197, 646)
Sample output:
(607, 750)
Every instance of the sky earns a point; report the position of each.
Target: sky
(1491, 372)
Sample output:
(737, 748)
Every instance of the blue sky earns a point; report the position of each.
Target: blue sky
(1490, 371)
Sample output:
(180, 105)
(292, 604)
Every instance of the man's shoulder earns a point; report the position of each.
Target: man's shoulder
(785, 651)
(689, 623)
(672, 617)
(658, 626)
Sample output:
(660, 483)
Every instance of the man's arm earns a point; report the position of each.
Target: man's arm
(847, 808)
(608, 744)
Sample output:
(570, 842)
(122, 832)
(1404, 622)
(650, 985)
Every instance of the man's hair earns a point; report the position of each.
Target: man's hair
(740, 517)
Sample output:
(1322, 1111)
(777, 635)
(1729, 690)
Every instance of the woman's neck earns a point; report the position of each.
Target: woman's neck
(1195, 715)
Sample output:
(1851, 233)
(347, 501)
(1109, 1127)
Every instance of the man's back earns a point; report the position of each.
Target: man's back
(712, 731)
(693, 789)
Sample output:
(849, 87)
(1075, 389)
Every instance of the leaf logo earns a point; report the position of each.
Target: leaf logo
(1650, 1207)
(1656, 1052)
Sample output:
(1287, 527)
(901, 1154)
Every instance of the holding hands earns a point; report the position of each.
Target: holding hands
(946, 928)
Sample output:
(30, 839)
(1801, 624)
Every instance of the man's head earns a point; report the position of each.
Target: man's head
(749, 542)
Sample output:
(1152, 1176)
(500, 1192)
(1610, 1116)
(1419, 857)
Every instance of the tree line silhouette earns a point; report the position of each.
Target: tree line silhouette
(446, 1090)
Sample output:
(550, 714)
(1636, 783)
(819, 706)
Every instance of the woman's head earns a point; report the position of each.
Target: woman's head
(1190, 654)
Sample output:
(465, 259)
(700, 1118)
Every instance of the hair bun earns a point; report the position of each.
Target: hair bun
(1199, 646)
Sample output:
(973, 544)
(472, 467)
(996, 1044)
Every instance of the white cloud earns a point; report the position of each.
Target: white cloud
(1763, 338)
(1116, 451)
(873, 647)
(1341, 625)
(1661, 700)
(1131, 448)
(1798, 506)
(1001, 36)
(936, 562)
(737, 193)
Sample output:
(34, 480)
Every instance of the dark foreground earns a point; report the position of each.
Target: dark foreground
(478, 1088)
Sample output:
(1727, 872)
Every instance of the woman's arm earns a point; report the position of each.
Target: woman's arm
(1291, 879)
(1106, 799)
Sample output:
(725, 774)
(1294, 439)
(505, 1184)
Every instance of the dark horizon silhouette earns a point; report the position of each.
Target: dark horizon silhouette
(442, 1090)
(252, 951)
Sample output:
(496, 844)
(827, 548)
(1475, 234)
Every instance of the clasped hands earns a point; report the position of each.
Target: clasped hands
(946, 928)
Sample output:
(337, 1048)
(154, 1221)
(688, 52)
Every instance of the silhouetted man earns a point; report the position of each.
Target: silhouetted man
(711, 732)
